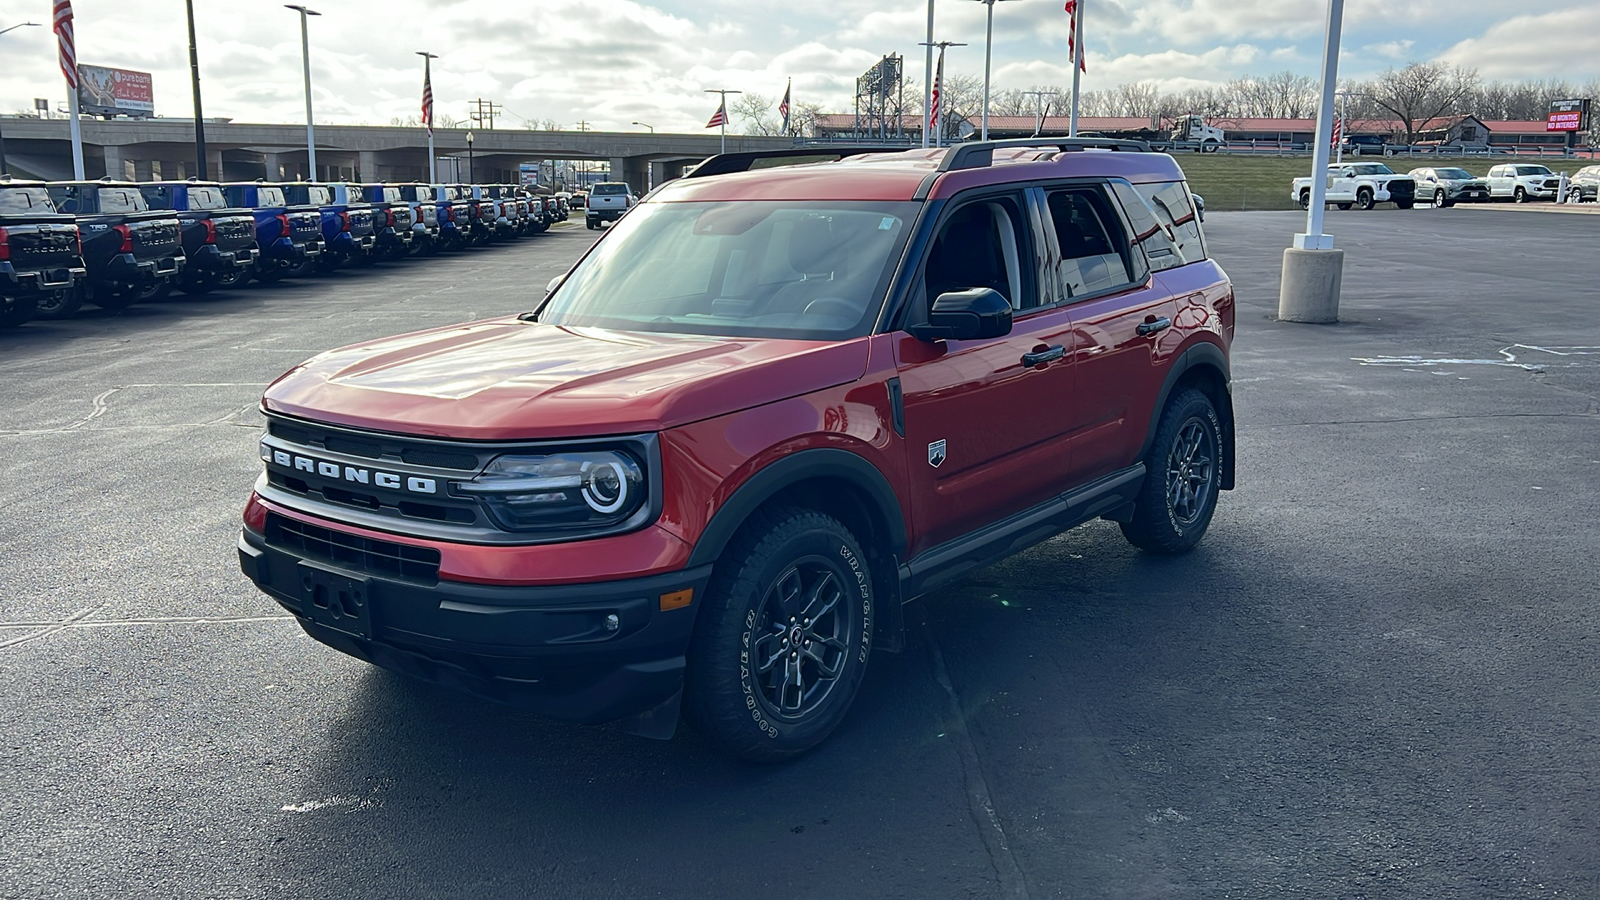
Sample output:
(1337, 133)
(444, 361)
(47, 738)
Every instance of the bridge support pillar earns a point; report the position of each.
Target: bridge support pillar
(274, 166)
(115, 167)
(635, 170)
(367, 166)
(143, 170)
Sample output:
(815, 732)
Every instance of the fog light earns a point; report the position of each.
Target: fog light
(612, 622)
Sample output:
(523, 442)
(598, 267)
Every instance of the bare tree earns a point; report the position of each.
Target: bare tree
(1421, 92)
(758, 114)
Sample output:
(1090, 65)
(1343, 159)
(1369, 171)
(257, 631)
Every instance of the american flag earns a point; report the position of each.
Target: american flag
(1072, 35)
(1338, 130)
(721, 117)
(783, 106)
(938, 88)
(69, 53)
(427, 95)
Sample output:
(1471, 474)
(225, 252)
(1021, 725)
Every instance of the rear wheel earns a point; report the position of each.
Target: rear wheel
(1183, 473)
(194, 285)
(117, 297)
(1575, 195)
(60, 304)
(236, 277)
(1439, 199)
(1305, 199)
(782, 643)
(271, 271)
(1519, 195)
(16, 310)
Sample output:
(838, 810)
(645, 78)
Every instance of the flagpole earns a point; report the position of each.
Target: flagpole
(722, 113)
(67, 49)
(927, 80)
(1077, 64)
(77, 140)
(427, 85)
(988, 52)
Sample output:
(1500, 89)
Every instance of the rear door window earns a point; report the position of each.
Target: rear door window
(1095, 254)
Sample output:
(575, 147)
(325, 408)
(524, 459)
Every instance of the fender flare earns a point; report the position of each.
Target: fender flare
(793, 469)
(1208, 355)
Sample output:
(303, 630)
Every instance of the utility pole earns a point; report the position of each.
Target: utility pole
(484, 112)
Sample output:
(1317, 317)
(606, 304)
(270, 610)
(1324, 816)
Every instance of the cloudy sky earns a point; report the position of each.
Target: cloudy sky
(613, 62)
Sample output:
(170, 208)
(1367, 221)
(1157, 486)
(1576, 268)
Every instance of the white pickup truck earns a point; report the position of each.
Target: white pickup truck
(1362, 185)
(608, 200)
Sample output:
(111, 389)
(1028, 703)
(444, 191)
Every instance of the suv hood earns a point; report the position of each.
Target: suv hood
(506, 379)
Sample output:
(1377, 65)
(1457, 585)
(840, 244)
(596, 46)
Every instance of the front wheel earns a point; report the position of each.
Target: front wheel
(1183, 474)
(1405, 204)
(782, 643)
(1364, 199)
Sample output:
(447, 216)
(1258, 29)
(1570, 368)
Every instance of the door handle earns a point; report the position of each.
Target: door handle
(1153, 326)
(1040, 357)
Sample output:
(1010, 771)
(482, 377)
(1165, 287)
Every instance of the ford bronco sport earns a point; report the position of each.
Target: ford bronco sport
(762, 412)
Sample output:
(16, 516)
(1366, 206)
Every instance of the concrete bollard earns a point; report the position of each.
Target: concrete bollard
(1309, 291)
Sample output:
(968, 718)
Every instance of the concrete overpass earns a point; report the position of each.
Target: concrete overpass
(146, 149)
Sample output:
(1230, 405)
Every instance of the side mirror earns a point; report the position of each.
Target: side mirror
(555, 283)
(967, 315)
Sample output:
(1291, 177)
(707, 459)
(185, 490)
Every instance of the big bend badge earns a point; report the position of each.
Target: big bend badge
(936, 454)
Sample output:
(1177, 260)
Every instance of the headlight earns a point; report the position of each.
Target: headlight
(560, 491)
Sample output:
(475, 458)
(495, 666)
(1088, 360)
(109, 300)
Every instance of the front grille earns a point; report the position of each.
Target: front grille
(1402, 189)
(350, 551)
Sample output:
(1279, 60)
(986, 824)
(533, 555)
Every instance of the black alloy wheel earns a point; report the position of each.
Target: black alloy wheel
(235, 277)
(1364, 199)
(62, 303)
(1183, 470)
(1305, 199)
(783, 641)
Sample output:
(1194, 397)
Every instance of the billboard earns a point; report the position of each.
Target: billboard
(1568, 115)
(529, 173)
(115, 92)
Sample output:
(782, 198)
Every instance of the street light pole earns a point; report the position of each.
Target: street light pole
(201, 167)
(305, 55)
(649, 167)
(988, 54)
(470, 178)
(3, 170)
(927, 78)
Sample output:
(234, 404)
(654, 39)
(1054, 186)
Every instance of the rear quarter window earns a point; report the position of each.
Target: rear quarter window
(1173, 207)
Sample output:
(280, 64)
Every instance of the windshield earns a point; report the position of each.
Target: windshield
(1452, 174)
(1533, 170)
(1373, 169)
(814, 270)
(25, 200)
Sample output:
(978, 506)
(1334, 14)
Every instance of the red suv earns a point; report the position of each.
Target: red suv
(770, 406)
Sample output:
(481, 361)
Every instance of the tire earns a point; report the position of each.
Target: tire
(1305, 199)
(784, 564)
(195, 286)
(1364, 199)
(15, 311)
(1519, 195)
(1344, 205)
(1440, 200)
(234, 278)
(1405, 204)
(1575, 195)
(1183, 474)
(60, 304)
(117, 298)
(271, 272)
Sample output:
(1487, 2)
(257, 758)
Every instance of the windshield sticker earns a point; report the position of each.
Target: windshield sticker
(887, 223)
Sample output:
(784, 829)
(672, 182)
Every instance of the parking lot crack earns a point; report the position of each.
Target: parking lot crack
(980, 801)
(48, 628)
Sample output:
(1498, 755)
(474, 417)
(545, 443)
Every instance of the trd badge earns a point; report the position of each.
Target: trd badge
(936, 454)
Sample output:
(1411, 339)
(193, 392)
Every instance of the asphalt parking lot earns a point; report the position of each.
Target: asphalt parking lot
(1377, 677)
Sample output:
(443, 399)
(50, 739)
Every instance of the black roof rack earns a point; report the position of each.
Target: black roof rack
(980, 154)
(725, 163)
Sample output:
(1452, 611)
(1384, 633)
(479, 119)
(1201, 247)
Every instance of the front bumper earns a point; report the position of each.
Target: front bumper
(546, 649)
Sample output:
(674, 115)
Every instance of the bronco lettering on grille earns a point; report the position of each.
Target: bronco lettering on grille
(355, 474)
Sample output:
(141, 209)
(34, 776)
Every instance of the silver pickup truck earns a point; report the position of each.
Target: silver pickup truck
(608, 200)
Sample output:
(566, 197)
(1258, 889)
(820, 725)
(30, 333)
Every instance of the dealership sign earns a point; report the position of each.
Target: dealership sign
(115, 92)
(1568, 115)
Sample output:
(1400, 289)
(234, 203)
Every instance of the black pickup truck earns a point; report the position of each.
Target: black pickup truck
(392, 219)
(218, 241)
(127, 247)
(41, 261)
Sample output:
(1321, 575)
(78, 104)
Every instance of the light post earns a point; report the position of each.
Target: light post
(930, 114)
(649, 167)
(305, 55)
(988, 53)
(201, 167)
(643, 125)
(470, 178)
(427, 109)
(927, 79)
(3, 170)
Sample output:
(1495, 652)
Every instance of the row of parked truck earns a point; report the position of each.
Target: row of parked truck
(112, 243)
